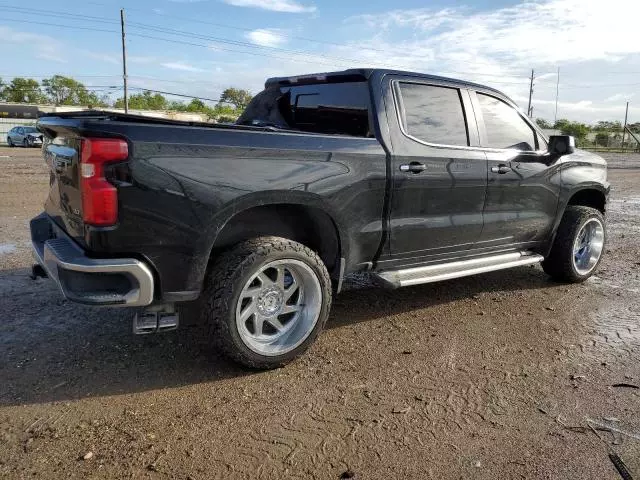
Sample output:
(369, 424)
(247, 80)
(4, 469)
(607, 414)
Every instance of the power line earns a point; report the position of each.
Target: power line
(342, 62)
(84, 17)
(259, 47)
(140, 77)
(233, 27)
(59, 14)
(93, 29)
(106, 88)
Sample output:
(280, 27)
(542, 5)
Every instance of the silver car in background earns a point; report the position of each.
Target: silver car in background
(24, 136)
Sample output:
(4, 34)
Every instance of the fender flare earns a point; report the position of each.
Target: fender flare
(215, 225)
(563, 203)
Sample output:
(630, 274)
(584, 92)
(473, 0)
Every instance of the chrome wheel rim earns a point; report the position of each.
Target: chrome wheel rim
(587, 247)
(278, 307)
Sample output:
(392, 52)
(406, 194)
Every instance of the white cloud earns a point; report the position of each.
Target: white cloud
(499, 48)
(289, 6)
(144, 59)
(528, 33)
(423, 18)
(620, 97)
(544, 76)
(185, 67)
(266, 37)
(41, 46)
(104, 57)
(51, 56)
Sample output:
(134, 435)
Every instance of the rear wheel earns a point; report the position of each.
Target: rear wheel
(578, 246)
(266, 301)
(9, 142)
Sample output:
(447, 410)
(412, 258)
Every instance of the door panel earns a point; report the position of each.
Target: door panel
(522, 190)
(436, 208)
(521, 204)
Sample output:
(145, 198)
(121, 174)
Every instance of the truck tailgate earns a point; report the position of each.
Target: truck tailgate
(64, 202)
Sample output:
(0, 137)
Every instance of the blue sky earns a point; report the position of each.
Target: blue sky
(200, 47)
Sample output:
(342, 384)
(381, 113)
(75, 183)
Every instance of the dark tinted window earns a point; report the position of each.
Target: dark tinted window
(335, 108)
(504, 126)
(434, 114)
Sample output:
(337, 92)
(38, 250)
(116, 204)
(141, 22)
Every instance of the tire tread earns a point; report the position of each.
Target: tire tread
(559, 263)
(237, 263)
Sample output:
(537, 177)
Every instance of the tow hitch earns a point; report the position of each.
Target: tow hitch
(155, 319)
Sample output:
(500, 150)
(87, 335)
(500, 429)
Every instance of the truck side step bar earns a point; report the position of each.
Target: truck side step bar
(461, 268)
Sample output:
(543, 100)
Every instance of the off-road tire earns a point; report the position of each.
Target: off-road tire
(225, 281)
(559, 263)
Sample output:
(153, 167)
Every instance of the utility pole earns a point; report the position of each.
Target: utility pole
(529, 110)
(624, 129)
(124, 63)
(555, 118)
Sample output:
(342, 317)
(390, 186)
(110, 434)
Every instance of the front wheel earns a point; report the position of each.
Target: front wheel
(266, 301)
(25, 143)
(578, 246)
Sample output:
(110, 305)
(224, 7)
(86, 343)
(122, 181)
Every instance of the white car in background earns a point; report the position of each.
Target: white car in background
(24, 136)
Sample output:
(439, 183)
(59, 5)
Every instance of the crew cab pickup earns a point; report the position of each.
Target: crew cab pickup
(412, 177)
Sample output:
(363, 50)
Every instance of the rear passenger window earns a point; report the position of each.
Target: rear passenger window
(504, 126)
(334, 108)
(434, 114)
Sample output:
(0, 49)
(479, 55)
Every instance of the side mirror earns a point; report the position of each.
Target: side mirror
(562, 144)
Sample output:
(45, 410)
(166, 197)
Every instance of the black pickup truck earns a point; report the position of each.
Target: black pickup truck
(412, 177)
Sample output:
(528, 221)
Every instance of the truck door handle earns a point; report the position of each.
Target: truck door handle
(414, 167)
(501, 169)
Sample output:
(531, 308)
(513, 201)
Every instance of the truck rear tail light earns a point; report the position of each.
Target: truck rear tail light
(99, 197)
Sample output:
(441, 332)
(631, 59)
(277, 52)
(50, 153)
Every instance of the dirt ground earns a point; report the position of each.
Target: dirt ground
(489, 377)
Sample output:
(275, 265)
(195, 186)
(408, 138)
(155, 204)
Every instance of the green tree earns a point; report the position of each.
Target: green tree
(237, 97)
(144, 101)
(607, 126)
(68, 91)
(542, 123)
(225, 114)
(196, 105)
(575, 129)
(602, 138)
(23, 90)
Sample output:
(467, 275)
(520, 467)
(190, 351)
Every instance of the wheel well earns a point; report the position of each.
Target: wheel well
(307, 225)
(589, 198)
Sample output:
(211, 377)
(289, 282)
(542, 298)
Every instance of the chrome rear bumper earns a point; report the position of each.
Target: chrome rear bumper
(123, 282)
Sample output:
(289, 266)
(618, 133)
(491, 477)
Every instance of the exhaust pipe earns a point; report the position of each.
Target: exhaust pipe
(156, 319)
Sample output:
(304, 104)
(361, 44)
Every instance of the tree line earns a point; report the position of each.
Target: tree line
(604, 130)
(61, 90)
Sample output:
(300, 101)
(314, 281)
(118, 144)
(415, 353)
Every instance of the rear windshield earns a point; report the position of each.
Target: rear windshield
(333, 108)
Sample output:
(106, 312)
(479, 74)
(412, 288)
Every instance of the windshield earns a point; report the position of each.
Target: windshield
(30, 130)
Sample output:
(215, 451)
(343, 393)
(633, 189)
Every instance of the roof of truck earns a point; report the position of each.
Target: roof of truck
(362, 74)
